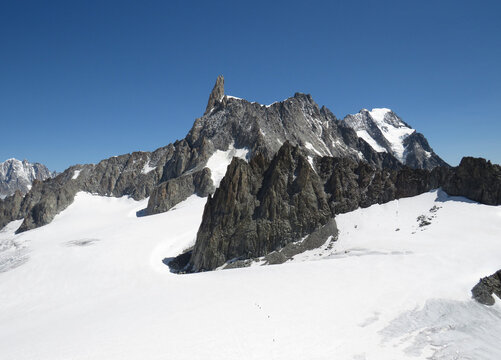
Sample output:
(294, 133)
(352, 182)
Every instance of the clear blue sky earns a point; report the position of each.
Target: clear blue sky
(84, 80)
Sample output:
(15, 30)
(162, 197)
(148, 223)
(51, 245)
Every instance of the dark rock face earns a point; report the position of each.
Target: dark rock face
(116, 176)
(216, 95)
(264, 128)
(353, 184)
(137, 175)
(477, 179)
(260, 207)
(10, 208)
(173, 191)
(482, 292)
(419, 154)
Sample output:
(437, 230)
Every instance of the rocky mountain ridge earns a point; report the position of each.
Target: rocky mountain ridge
(17, 175)
(172, 173)
(263, 206)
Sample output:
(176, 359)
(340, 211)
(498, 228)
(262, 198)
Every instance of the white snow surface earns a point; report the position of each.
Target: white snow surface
(76, 173)
(92, 285)
(22, 170)
(309, 146)
(394, 132)
(147, 168)
(365, 135)
(219, 161)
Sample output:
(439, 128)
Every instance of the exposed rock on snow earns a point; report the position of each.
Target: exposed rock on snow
(173, 191)
(477, 179)
(482, 292)
(261, 207)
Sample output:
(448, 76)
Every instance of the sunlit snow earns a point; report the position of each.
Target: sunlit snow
(393, 132)
(147, 168)
(220, 160)
(92, 285)
(76, 173)
(364, 135)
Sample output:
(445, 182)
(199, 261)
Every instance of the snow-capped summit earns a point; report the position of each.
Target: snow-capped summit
(264, 128)
(19, 175)
(384, 131)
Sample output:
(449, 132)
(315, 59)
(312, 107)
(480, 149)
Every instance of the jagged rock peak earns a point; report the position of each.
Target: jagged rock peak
(216, 94)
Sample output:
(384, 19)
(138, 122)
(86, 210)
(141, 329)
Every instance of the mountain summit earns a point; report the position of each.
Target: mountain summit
(19, 175)
(216, 94)
(385, 132)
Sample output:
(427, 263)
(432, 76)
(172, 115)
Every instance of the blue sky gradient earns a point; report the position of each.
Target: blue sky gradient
(85, 80)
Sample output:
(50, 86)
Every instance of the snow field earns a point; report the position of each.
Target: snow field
(94, 287)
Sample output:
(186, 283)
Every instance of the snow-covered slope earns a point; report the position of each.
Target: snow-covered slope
(92, 285)
(19, 175)
(384, 131)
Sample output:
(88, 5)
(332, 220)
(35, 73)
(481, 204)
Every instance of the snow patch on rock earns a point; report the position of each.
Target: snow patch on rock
(219, 161)
(76, 174)
(147, 168)
(364, 135)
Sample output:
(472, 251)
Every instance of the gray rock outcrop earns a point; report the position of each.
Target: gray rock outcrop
(262, 206)
(477, 179)
(264, 128)
(259, 207)
(171, 192)
(216, 94)
(486, 287)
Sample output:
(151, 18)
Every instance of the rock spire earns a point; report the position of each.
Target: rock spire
(216, 94)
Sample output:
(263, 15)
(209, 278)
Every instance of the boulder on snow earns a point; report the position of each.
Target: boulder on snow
(482, 292)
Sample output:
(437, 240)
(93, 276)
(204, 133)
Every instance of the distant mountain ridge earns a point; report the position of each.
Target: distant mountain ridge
(384, 131)
(19, 175)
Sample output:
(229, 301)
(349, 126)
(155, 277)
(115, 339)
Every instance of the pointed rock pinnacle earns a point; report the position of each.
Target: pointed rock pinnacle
(216, 94)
